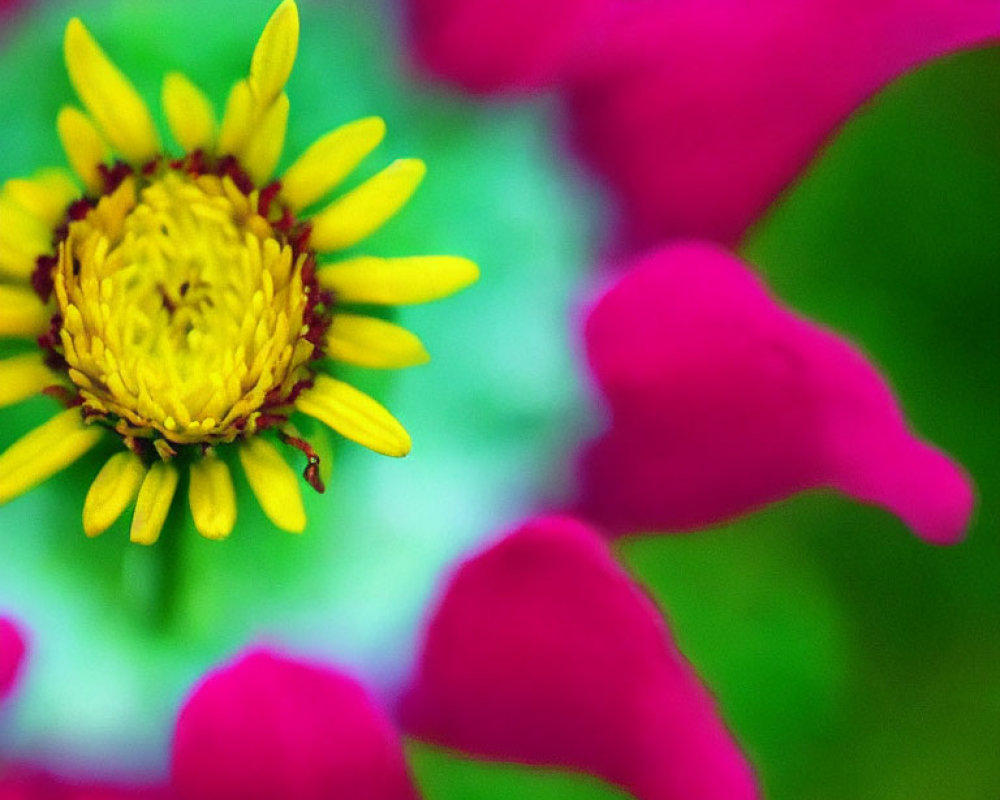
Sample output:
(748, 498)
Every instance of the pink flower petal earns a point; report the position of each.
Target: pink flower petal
(12, 652)
(7, 6)
(268, 727)
(24, 783)
(543, 651)
(699, 112)
(490, 45)
(722, 401)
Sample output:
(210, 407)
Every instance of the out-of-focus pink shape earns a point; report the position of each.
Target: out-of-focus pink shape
(699, 112)
(493, 45)
(12, 652)
(269, 727)
(543, 651)
(722, 401)
(7, 8)
(23, 783)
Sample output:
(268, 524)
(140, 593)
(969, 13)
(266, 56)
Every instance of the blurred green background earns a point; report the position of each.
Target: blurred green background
(851, 659)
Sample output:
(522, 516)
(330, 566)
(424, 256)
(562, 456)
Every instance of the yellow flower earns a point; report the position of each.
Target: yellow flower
(181, 302)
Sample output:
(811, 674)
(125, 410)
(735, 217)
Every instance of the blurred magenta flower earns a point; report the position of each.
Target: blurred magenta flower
(541, 650)
(26, 783)
(12, 649)
(493, 45)
(721, 401)
(267, 726)
(697, 112)
(700, 113)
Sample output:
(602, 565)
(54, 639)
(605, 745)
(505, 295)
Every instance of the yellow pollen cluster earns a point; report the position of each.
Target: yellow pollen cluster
(182, 311)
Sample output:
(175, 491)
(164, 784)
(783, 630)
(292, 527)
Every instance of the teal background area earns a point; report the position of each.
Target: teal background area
(493, 417)
(850, 659)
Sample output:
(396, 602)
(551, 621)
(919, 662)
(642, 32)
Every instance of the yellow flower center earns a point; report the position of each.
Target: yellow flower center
(186, 314)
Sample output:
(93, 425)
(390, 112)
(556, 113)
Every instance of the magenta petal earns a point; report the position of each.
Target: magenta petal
(12, 652)
(490, 45)
(722, 401)
(543, 651)
(699, 112)
(8, 6)
(269, 727)
(26, 783)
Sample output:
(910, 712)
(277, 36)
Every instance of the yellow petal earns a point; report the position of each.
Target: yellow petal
(21, 230)
(112, 101)
(23, 237)
(373, 342)
(189, 113)
(397, 281)
(262, 148)
(355, 415)
(47, 195)
(22, 313)
(274, 483)
(212, 497)
(41, 453)
(155, 497)
(85, 147)
(112, 491)
(237, 120)
(360, 212)
(275, 54)
(329, 160)
(15, 263)
(23, 376)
